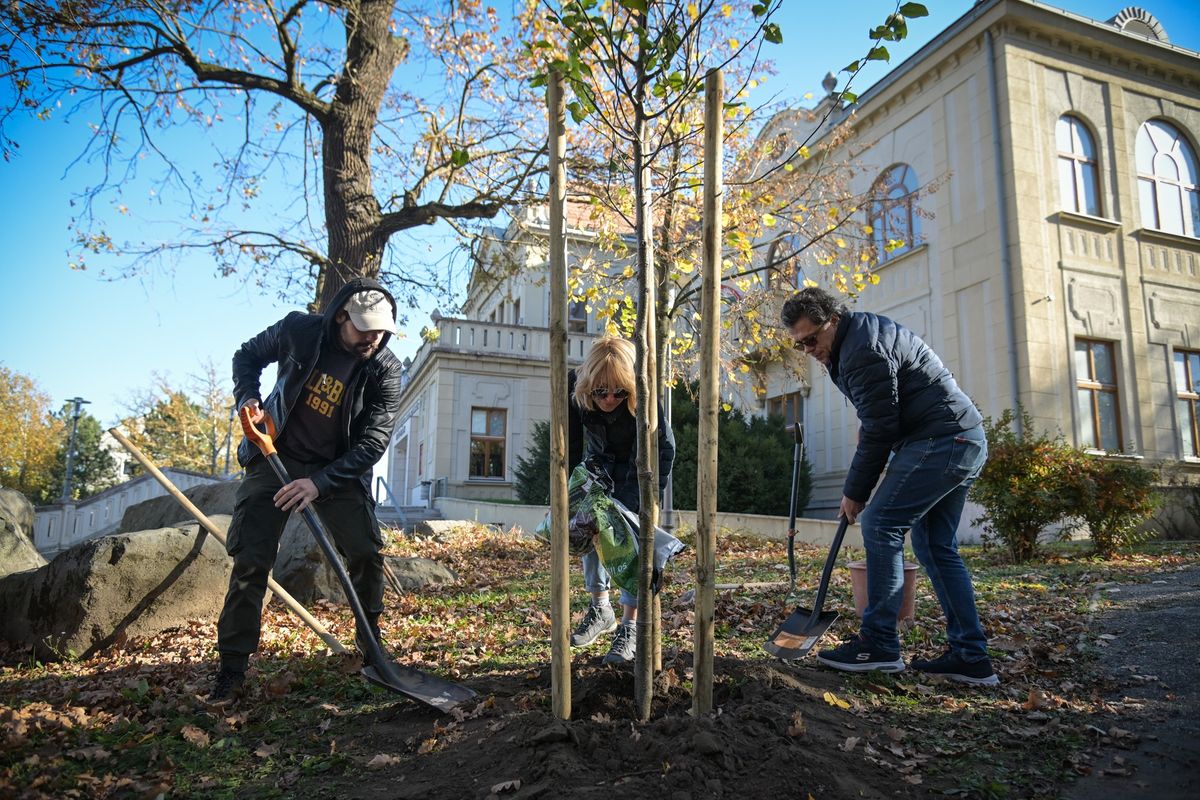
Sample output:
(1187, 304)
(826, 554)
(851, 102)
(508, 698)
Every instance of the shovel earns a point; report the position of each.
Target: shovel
(429, 689)
(800, 631)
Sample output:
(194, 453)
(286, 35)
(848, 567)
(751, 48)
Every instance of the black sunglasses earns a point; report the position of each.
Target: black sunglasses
(809, 342)
(600, 394)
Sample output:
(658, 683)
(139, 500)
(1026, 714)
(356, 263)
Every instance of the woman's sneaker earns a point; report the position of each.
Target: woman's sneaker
(598, 621)
(952, 666)
(859, 655)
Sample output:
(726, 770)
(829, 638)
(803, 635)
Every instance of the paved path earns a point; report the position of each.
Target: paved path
(1153, 665)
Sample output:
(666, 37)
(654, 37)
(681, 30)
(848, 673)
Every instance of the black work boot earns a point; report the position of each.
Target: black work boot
(227, 686)
(363, 648)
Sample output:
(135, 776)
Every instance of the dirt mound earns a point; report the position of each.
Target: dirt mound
(774, 734)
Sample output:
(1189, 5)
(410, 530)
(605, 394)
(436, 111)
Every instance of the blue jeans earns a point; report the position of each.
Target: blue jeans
(923, 490)
(595, 578)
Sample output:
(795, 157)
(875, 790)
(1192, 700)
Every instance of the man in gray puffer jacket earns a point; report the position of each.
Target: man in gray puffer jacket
(916, 422)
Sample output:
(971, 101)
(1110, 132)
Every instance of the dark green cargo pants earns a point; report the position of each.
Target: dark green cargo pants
(349, 517)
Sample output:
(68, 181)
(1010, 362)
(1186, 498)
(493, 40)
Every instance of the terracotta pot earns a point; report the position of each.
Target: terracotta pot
(858, 580)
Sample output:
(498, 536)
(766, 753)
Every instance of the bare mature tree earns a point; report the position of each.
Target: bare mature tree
(372, 117)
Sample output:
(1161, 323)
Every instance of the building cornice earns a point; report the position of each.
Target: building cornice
(1031, 22)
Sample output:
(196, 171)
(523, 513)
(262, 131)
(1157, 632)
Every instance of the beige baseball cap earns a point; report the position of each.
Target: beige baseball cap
(370, 310)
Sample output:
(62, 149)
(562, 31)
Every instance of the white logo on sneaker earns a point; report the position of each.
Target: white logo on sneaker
(863, 656)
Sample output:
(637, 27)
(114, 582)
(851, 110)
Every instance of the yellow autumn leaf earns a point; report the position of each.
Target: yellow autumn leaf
(726, 407)
(874, 279)
(804, 151)
(769, 220)
(867, 229)
(693, 11)
(733, 44)
(809, 282)
(726, 10)
(808, 95)
(834, 700)
(840, 242)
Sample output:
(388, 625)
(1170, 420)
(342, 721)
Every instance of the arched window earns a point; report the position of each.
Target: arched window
(784, 268)
(892, 216)
(1167, 175)
(1078, 173)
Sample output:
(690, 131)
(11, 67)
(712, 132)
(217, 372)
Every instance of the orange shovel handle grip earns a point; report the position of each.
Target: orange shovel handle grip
(264, 440)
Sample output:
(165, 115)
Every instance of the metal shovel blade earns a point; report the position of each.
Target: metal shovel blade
(420, 686)
(799, 633)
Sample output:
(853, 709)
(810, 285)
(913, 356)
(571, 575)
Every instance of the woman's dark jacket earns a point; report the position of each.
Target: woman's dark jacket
(294, 344)
(900, 389)
(610, 441)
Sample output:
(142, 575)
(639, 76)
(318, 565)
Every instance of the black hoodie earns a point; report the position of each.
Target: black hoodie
(294, 344)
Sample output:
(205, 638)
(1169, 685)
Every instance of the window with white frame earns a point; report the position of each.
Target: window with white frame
(1167, 175)
(892, 214)
(488, 428)
(1187, 400)
(1078, 170)
(1096, 395)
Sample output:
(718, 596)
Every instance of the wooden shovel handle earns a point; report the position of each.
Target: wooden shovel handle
(264, 439)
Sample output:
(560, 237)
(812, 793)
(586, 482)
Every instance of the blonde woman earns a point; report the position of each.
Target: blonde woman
(602, 431)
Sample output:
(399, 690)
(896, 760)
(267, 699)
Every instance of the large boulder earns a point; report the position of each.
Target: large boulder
(17, 552)
(415, 573)
(16, 508)
(300, 567)
(165, 511)
(104, 590)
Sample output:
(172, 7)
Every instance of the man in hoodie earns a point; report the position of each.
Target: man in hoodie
(334, 403)
(916, 422)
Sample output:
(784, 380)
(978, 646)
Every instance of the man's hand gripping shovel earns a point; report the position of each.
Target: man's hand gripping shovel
(441, 694)
(800, 632)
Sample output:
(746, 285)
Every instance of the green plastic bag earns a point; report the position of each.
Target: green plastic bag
(605, 523)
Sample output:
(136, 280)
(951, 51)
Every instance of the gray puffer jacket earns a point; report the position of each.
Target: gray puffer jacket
(900, 389)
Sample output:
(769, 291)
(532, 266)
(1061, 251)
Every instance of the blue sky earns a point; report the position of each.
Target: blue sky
(77, 334)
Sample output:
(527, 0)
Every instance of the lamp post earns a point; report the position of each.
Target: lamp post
(76, 413)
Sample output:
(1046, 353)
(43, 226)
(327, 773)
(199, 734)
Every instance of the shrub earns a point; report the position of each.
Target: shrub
(1116, 499)
(755, 468)
(1033, 480)
(533, 469)
(1030, 481)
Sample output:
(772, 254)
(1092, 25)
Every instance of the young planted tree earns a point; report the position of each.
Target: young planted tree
(791, 212)
(632, 67)
(292, 141)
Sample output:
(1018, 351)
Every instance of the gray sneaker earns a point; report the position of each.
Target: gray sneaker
(598, 621)
(624, 645)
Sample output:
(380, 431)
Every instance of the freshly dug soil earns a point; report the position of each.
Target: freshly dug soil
(773, 734)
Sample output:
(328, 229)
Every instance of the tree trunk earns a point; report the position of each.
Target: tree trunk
(647, 394)
(352, 212)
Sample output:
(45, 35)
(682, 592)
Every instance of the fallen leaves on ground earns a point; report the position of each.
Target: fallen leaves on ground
(131, 722)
